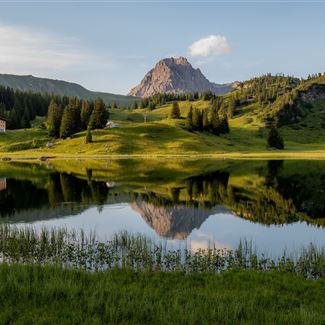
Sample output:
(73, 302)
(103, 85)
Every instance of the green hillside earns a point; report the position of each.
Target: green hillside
(250, 108)
(59, 87)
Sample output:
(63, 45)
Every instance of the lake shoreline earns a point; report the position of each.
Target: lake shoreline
(273, 155)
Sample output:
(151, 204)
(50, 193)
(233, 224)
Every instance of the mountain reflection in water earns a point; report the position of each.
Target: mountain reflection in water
(268, 193)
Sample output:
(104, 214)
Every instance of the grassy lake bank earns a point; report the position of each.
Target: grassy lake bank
(54, 277)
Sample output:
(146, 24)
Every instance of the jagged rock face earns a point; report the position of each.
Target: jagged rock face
(176, 75)
(173, 222)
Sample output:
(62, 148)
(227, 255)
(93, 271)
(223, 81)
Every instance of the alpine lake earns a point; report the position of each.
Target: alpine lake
(277, 205)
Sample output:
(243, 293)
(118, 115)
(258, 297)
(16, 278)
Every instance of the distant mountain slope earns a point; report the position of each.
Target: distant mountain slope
(60, 87)
(176, 75)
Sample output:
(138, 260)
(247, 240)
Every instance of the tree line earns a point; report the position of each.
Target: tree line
(163, 98)
(20, 108)
(207, 120)
(78, 115)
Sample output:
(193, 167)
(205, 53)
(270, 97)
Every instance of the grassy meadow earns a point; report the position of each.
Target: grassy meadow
(50, 295)
(160, 135)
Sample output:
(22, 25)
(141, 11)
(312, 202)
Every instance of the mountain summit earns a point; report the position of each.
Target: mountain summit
(176, 75)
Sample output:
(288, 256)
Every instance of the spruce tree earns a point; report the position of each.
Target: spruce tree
(196, 120)
(67, 123)
(135, 105)
(86, 111)
(89, 137)
(231, 107)
(74, 102)
(99, 115)
(215, 123)
(54, 119)
(275, 139)
(175, 112)
(224, 125)
(205, 120)
(189, 119)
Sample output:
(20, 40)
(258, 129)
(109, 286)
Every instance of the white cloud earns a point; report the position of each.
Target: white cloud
(213, 45)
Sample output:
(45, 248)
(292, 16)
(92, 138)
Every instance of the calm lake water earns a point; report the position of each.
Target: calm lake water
(277, 205)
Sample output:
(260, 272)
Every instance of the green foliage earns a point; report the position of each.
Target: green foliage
(189, 119)
(69, 249)
(20, 108)
(135, 105)
(70, 123)
(162, 99)
(207, 121)
(54, 119)
(99, 115)
(175, 111)
(274, 139)
(87, 108)
(207, 95)
(52, 295)
(89, 137)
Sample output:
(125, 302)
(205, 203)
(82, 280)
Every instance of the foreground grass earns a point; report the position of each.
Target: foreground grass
(50, 295)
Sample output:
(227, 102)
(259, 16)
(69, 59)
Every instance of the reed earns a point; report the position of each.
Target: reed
(71, 249)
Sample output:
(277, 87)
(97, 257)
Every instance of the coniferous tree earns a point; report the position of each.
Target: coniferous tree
(86, 111)
(99, 115)
(197, 120)
(75, 104)
(135, 105)
(231, 107)
(275, 139)
(89, 137)
(54, 119)
(175, 112)
(205, 120)
(224, 125)
(215, 122)
(189, 119)
(67, 122)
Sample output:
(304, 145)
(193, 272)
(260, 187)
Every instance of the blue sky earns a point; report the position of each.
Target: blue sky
(110, 46)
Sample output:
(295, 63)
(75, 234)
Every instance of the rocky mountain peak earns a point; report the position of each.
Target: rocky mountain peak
(176, 75)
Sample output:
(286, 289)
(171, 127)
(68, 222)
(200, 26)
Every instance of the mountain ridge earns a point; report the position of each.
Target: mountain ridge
(59, 87)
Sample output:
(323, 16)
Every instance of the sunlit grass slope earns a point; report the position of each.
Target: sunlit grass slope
(144, 132)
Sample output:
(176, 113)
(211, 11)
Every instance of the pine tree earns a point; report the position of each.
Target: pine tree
(67, 123)
(215, 123)
(197, 120)
(74, 102)
(99, 115)
(231, 107)
(86, 111)
(89, 137)
(224, 125)
(275, 139)
(205, 120)
(189, 119)
(175, 112)
(54, 119)
(135, 105)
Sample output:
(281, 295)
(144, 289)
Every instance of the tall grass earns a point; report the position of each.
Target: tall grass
(70, 249)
